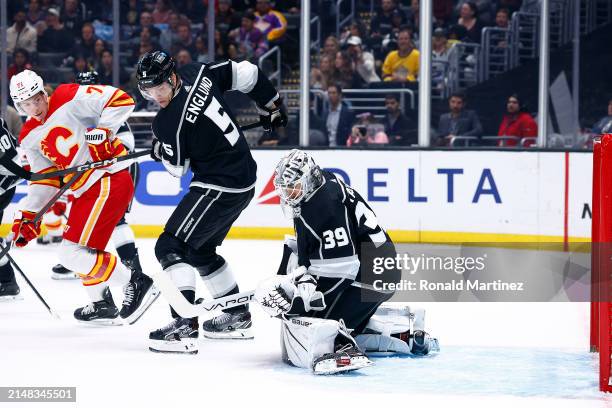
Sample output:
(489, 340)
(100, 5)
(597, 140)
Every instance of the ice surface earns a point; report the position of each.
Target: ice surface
(493, 354)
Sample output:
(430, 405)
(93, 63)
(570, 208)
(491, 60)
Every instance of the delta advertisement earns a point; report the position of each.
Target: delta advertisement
(419, 196)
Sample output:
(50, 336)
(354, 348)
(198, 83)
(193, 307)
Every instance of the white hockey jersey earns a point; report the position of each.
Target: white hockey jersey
(59, 142)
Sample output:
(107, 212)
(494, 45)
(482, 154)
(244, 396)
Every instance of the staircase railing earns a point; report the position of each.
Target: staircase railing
(273, 54)
(340, 22)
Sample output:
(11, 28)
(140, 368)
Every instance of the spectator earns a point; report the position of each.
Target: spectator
(442, 11)
(79, 65)
(21, 34)
(106, 70)
(389, 42)
(221, 46)
(331, 46)
(604, 125)
(400, 130)
(227, 19)
(363, 61)
(355, 29)
(35, 13)
(73, 16)
(201, 50)
(146, 45)
(185, 40)
(86, 43)
(55, 38)
(322, 77)
(183, 57)
(439, 58)
(21, 61)
(170, 35)
(502, 18)
(402, 65)
(161, 12)
(367, 132)
(413, 15)
(250, 38)
(458, 122)
(345, 74)
(469, 20)
(338, 119)
(270, 22)
(517, 122)
(99, 47)
(146, 20)
(381, 24)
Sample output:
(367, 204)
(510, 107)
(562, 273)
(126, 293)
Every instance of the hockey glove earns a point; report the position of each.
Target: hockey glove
(156, 153)
(275, 295)
(273, 118)
(59, 208)
(24, 229)
(100, 143)
(307, 298)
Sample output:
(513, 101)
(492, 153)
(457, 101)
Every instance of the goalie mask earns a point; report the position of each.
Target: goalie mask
(296, 178)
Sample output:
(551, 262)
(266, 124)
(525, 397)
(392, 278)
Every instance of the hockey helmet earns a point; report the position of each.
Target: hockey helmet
(25, 85)
(153, 69)
(88, 78)
(296, 177)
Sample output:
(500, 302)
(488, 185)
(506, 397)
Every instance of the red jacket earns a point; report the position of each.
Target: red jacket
(521, 125)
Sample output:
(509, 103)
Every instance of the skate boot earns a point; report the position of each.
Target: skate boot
(139, 295)
(49, 239)
(9, 291)
(103, 312)
(179, 336)
(347, 358)
(229, 325)
(60, 272)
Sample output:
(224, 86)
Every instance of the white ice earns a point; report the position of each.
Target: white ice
(492, 354)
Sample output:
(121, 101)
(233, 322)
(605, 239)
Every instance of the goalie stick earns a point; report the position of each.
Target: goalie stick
(28, 175)
(185, 309)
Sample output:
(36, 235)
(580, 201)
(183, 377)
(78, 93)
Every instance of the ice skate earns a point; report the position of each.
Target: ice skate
(140, 293)
(103, 312)
(59, 272)
(179, 336)
(229, 325)
(9, 291)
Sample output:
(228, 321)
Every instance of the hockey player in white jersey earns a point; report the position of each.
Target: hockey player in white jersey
(75, 125)
(327, 323)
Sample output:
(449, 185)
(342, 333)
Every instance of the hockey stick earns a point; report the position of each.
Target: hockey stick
(23, 275)
(28, 175)
(185, 309)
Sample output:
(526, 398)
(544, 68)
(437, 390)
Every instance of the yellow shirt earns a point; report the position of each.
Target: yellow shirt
(408, 65)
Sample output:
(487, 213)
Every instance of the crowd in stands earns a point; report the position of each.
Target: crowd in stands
(380, 51)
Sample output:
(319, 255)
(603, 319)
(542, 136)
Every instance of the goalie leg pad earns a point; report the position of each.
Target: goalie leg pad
(303, 339)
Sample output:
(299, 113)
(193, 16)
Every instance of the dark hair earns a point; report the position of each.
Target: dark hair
(337, 86)
(250, 16)
(457, 94)
(503, 10)
(392, 96)
(106, 50)
(22, 51)
(522, 106)
(473, 7)
(406, 28)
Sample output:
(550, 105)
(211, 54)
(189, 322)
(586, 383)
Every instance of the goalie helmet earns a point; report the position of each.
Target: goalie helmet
(25, 85)
(297, 177)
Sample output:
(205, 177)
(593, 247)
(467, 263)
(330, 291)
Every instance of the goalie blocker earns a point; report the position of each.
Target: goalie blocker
(328, 326)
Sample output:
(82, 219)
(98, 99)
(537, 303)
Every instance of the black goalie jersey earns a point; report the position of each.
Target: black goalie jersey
(8, 150)
(198, 130)
(332, 226)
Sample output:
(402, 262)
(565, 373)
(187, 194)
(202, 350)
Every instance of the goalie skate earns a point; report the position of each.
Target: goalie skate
(180, 336)
(348, 358)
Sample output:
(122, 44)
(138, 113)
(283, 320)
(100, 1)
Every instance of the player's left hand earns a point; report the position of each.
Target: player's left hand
(100, 143)
(273, 118)
(24, 228)
(275, 294)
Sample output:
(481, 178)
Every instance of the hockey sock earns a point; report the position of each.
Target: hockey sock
(127, 252)
(6, 272)
(95, 291)
(189, 295)
(219, 280)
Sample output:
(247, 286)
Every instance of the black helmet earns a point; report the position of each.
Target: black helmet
(154, 68)
(88, 78)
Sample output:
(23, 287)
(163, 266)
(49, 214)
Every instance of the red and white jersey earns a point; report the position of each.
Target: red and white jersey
(59, 141)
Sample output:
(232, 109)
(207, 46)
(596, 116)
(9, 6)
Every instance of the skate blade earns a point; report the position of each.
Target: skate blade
(238, 334)
(150, 297)
(10, 298)
(330, 369)
(102, 322)
(64, 276)
(185, 346)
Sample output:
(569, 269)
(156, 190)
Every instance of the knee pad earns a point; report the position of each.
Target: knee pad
(303, 339)
(217, 276)
(169, 250)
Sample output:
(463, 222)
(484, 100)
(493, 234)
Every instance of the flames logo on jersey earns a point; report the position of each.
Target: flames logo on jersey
(60, 146)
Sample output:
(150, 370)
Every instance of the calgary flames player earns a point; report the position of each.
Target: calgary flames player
(77, 124)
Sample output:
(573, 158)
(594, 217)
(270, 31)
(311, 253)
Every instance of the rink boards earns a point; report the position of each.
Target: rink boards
(420, 196)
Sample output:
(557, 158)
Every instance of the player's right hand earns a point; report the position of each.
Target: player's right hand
(273, 118)
(100, 144)
(156, 153)
(59, 208)
(24, 229)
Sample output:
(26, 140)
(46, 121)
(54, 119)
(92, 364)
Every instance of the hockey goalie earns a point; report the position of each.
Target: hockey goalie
(327, 325)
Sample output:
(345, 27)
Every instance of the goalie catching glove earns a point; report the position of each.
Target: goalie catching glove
(100, 143)
(24, 229)
(292, 294)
